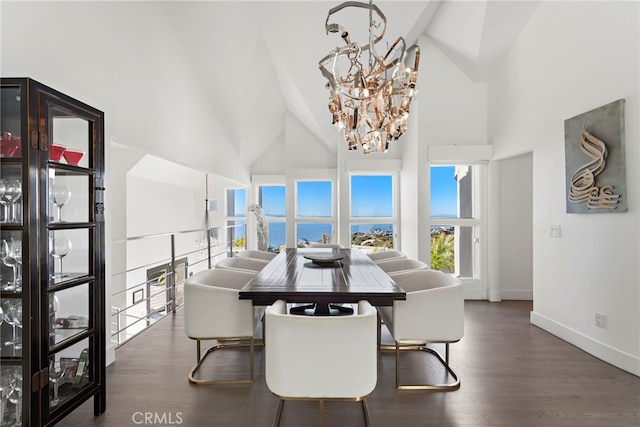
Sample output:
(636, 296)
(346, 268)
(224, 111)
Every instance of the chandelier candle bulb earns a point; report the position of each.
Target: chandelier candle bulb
(369, 102)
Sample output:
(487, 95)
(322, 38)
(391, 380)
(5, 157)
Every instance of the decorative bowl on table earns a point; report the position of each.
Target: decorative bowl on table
(323, 257)
(73, 157)
(56, 152)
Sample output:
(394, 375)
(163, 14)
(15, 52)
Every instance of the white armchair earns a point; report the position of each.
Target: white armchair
(399, 265)
(212, 310)
(243, 264)
(385, 256)
(320, 357)
(432, 313)
(250, 253)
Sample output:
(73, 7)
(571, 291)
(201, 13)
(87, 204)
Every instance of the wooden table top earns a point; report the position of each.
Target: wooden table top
(292, 277)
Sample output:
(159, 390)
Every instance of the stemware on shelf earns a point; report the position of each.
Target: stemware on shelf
(15, 396)
(17, 256)
(56, 375)
(56, 152)
(10, 146)
(59, 247)
(10, 197)
(73, 157)
(54, 305)
(3, 190)
(12, 312)
(60, 195)
(5, 384)
(8, 256)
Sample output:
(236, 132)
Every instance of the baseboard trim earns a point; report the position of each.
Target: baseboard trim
(602, 351)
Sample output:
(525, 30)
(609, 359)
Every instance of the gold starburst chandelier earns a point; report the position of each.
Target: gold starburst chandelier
(369, 94)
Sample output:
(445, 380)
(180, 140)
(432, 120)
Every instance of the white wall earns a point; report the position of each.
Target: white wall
(571, 58)
(516, 228)
(453, 109)
(98, 53)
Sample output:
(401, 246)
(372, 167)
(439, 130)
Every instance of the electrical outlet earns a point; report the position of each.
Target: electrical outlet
(599, 320)
(554, 231)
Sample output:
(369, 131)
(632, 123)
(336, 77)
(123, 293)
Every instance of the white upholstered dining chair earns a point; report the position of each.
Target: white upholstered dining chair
(432, 313)
(213, 311)
(251, 253)
(399, 265)
(243, 264)
(321, 357)
(385, 256)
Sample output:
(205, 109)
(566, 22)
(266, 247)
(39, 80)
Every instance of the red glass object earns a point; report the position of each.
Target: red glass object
(56, 152)
(73, 157)
(10, 146)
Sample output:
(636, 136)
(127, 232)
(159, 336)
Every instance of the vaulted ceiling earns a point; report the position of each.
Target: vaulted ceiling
(258, 60)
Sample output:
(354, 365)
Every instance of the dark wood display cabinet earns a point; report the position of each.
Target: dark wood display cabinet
(52, 323)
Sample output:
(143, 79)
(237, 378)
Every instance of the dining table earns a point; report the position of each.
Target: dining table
(322, 279)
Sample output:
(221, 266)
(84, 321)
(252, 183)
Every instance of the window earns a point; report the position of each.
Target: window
(372, 217)
(273, 200)
(455, 223)
(314, 212)
(236, 216)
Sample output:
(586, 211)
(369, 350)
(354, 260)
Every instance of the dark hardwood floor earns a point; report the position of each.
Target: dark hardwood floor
(512, 374)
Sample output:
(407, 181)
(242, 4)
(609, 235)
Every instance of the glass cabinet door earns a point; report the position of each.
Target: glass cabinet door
(69, 215)
(14, 289)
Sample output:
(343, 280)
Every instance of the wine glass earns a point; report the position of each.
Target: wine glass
(1, 403)
(17, 256)
(60, 194)
(5, 384)
(13, 316)
(17, 321)
(8, 258)
(54, 305)
(15, 395)
(56, 375)
(59, 247)
(12, 195)
(3, 190)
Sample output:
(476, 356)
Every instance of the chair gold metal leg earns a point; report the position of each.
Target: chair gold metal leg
(279, 413)
(445, 362)
(321, 405)
(365, 410)
(200, 359)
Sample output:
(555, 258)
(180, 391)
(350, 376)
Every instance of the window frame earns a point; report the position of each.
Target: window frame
(231, 232)
(270, 219)
(476, 223)
(392, 220)
(332, 220)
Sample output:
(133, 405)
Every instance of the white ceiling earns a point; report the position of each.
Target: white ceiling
(259, 59)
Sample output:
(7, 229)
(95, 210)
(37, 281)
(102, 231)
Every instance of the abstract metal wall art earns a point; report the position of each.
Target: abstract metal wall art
(595, 160)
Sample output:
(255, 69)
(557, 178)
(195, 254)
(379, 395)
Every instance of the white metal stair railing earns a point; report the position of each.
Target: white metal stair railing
(139, 301)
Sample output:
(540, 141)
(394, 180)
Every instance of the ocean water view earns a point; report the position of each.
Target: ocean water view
(313, 232)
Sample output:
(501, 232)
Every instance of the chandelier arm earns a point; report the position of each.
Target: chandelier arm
(333, 57)
(401, 56)
(417, 56)
(335, 28)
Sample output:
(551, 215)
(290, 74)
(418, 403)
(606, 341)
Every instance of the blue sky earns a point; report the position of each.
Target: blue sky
(444, 202)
